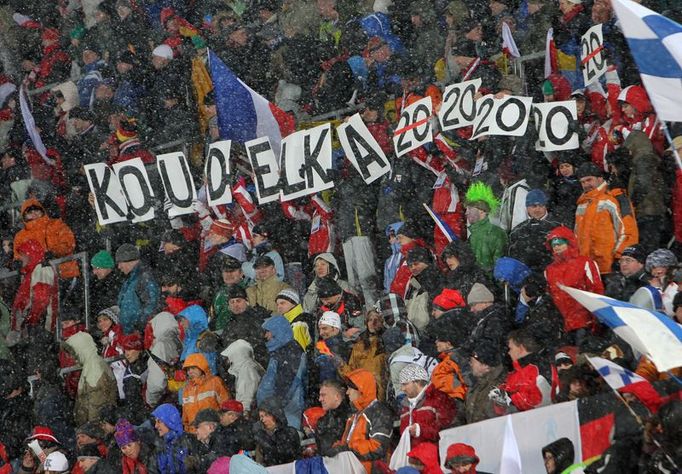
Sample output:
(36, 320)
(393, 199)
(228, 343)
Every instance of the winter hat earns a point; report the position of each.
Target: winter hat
(512, 83)
(260, 229)
(588, 169)
(479, 294)
(89, 451)
(263, 261)
(487, 352)
(163, 51)
(198, 42)
(536, 197)
(125, 433)
(327, 287)
(413, 373)
(562, 358)
(173, 236)
(660, 258)
(290, 295)
(56, 462)
(419, 254)
(102, 259)
(42, 433)
(448, 299)
(111, 312)
(222, 227)
(460, 453)
(91, 429)
(127, 57)
(206, 415)
(636, 252)
(236, 291)
(330, 318)
(127, 253)
(392, 309)
(232, 405)
(230, 264)
(131, 342)
(408, 231)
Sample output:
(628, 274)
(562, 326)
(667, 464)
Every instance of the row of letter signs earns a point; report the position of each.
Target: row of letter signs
(124, 190)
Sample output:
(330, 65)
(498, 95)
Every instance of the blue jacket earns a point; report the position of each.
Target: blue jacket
(174, 446)
(92, 77)
(198, 323)
(393, 262)
(128, 95)
(285, 376)
(138, 299)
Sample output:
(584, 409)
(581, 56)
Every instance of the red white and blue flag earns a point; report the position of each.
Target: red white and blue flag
(244, 114)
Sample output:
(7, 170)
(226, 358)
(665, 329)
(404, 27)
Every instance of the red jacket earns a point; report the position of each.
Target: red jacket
(403, 275)
(427, 454)
(533, 383)
(572, 269)
(433, 412)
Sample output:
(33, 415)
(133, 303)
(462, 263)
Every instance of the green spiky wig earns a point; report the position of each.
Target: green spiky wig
(481, 196)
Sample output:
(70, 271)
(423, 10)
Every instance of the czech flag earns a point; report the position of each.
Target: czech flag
(243, 114)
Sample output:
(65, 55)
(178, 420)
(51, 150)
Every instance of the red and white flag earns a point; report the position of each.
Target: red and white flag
(508, 44)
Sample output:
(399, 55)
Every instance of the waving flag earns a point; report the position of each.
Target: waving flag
(508, 44)
(441, 224)
(243, 114)
(648, 332)
(656, 45)
(616, 376)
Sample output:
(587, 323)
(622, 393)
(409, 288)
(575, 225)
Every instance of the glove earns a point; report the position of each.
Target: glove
(499, 397)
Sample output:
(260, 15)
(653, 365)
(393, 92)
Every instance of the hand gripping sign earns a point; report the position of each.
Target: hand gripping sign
(553, 124)
(459, 105)
(507, 116)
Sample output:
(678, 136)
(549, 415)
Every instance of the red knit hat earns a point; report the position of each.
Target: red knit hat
(232, 405)
(222, 227)
(42, 433)
(449, 299)
(132, 342)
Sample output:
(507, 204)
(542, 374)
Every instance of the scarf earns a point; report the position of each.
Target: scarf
(133, 466)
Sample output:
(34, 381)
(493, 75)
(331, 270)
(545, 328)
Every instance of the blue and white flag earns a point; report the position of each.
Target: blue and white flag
(648, 332)
(616, 376)
(656, 45)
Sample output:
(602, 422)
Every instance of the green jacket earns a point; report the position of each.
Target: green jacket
(488, 242)
(220, 309)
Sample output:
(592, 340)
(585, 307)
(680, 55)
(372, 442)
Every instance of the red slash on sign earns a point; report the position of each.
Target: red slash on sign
(592, 54)
(410, 127)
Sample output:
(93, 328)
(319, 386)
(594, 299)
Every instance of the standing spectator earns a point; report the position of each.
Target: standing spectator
(262, 246)
(203, 390)
(324, 266)
(162, 339)
(461, 458)
(246, 324)
(277, 442)
(333, 298)
(631, 274)
(233, 275)
(487, 240)
(137, 456)
(567, 189)
(135, 406)
(424, 285)
(237, 427)
(110, 340)
(492, 322)
(97, 386)
(264, 292)
(197, 337)
(489, 374)
(174, 446)
(289, 306)
(568, 29)
(93, 74)
(331, 425)
(105, 286)
(138, 297)
(598, 222)
(331, 350)
(463, 270)
(246, 371)
(426, 410)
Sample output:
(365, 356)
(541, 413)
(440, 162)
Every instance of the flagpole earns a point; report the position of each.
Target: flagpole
(664, 127)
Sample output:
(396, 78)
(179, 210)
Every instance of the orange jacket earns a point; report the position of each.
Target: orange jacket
(600, 229)
(368, 431)
(447, 377)
(52, 234)
(648, 370)
(207, 391)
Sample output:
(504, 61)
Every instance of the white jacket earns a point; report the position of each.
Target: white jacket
(246, 371)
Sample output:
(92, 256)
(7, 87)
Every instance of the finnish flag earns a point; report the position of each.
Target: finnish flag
(616, 376)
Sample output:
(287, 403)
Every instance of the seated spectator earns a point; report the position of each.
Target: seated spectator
(558, 456)
(262, 246)
(246, 371)
(203, 390)
(137, 456)
(331, 350)
(324, 265)
(89, 460)
(236, 427)
(425, 410)
(173, 444)
(138, 298)
(333, 298)
(264, 292)
(212, 438)
(461, 458)
(424, 458)
(277, 442)
(135, 406)
(631, 274)
(289, 306)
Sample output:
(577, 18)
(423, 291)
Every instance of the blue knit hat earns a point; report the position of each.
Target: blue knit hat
(536, 197)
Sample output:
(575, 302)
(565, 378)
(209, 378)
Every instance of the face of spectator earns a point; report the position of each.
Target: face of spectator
(161, 427)
(536, 211)
(123, 11)
(89, 57)
(321, 268)
(416, 268)
(131, 450)
(416, 20)
(460, 467)
(478, 368)
(172, 26)
(284, 306)
(411, 389)
(267, 335)
(452, 262)
(268, 420)
(590, 183)
(404, 240)
(330, 301)
(550, 463)
(352, 394)
(184, 322)
(381, 54)
(327, 331)
(101, 273)
(238, 305)
(33, 213)
(374, 322)
(239, 38)
(132, 355)
(228, 417)
(194, 373)
(559, 247)
(171, 289)
(566, 169)
(123, 68)
(327, 9)
(87, 463)
(204, 431)
(104, 324)
(263, 273)
(565, 6)
(474, 214)
(127, 267)
(629, 266)
(170, 248)
(257, 239)
(659, 272)
(67, 323)
(232, 277)
(82, 439)
(159, 63)
(443, 346)
(515, 351)
(437, 313)
(330, 398)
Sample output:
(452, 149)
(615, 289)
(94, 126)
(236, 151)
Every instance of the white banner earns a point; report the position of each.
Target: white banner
(110, 202)
(552, 122)
(177, 182)
(459, 106)
(265, 169)
(137, 188)
(534, 429)
(306, 160)
(217, 173)
(592, 54)
(507, 116)
(414, 127)
(362, 149)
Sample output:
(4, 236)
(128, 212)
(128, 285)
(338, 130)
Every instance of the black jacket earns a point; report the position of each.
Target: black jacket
(247, 326)
(280, 446)
(493, 324)
(527, 242)
(238, 436)
(620, 287)
(104, 293)
(330, 428)
(134, 407)
(565, 200)
(544, 321)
